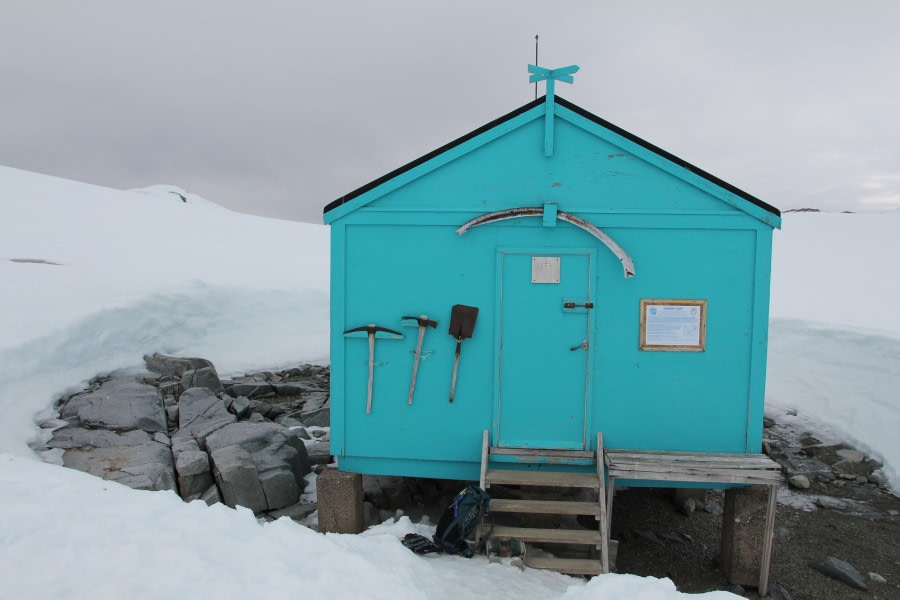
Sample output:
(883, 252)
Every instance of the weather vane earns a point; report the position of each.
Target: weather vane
(563, 74)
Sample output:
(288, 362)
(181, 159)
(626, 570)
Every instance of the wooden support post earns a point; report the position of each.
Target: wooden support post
(769, 536)
(604, 525)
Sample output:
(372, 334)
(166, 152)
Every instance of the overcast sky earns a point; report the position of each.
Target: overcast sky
(277, 108)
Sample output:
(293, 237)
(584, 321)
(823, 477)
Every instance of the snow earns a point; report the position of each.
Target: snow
(94, 278)
(834, 335)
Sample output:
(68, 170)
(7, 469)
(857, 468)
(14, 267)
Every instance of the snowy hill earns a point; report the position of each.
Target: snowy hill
(94, 278)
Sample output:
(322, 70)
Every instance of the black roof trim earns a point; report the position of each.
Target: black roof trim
(423, 159)
(576, 109)
(667, 155)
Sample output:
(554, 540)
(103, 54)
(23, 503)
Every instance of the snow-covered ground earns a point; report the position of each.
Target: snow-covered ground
(834, 334)
(92, 278)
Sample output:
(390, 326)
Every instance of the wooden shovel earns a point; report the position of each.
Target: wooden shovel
(462, 324)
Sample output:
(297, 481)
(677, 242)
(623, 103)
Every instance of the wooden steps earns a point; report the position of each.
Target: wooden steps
(545, 507)
(570, 566)
(555, 536)
(542, 478)
(550, 470)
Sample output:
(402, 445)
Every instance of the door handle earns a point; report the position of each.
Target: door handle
(587, 305)
(582, 346)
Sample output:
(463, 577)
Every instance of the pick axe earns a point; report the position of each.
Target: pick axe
(372, 331)
(462, 324)
(422, 323)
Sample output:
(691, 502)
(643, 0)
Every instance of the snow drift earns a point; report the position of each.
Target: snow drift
(94, 278)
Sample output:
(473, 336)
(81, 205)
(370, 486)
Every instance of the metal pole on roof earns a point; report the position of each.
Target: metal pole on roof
(535, 62)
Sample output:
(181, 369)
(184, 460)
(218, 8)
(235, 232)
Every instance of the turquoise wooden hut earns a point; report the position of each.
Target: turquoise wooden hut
(619, 290)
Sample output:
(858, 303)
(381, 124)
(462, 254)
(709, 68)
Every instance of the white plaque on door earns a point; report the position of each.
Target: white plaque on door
(544, 269)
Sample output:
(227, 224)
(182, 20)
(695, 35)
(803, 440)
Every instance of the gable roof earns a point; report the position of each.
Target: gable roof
(753, 200)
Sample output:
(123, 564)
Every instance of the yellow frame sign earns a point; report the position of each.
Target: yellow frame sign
(672, 325)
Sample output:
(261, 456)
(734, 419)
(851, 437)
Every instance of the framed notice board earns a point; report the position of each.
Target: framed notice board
(671, 325)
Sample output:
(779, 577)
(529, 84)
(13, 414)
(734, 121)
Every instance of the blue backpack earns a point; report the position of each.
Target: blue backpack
(458, 522)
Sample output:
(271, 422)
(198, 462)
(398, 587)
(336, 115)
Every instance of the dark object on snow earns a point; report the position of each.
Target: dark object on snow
(460, 519)
(840, 570)
(420, 544)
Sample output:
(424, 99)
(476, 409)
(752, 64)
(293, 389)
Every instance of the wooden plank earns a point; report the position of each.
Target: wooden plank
(544, 453)
(545, 507)
(744, 464)
(686, 468)
(562, 536)
(686, 478)
(768, 537)
(601, 500)
(735, 461)
(571, 566)
(549, 478)
(485, 445)
(677, 453)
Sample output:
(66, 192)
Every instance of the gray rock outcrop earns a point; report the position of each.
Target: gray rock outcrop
(201, 413)
(258, 465)
(146, 466)
(119, 404)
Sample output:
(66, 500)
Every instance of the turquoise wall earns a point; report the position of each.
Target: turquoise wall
(395, 252)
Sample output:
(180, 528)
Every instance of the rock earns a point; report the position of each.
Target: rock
(238, 479)
(799, 482)
(172, 414)
(768, 422)
(319, 418)
(162, 438)
(202, 378)
(807, 439)
(192, 468)
(687, 507)
(297, 512)
(211, 496)
(52, 423)
(240, 407)
(256, 418)
(829, 502)
(295, 388)
(776, 592)
(258, 465)
(302, 433)
(119, 404)
(671, 537)
(853, 456)
(146, 466)
(782, 531)
(78, 437)
(286, 421)
(878, 478)
(713, 508)
(314, 401)
(201, 413)
(850, 469)
(877, 578)
(263, 408)
(251, 389)
(861, 479)
(174, 366)
(319, 453)
(736, 589)
(840, 570)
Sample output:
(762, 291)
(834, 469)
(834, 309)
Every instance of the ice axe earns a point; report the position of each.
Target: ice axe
(422, 323)
(462, 324)
(372, 331)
